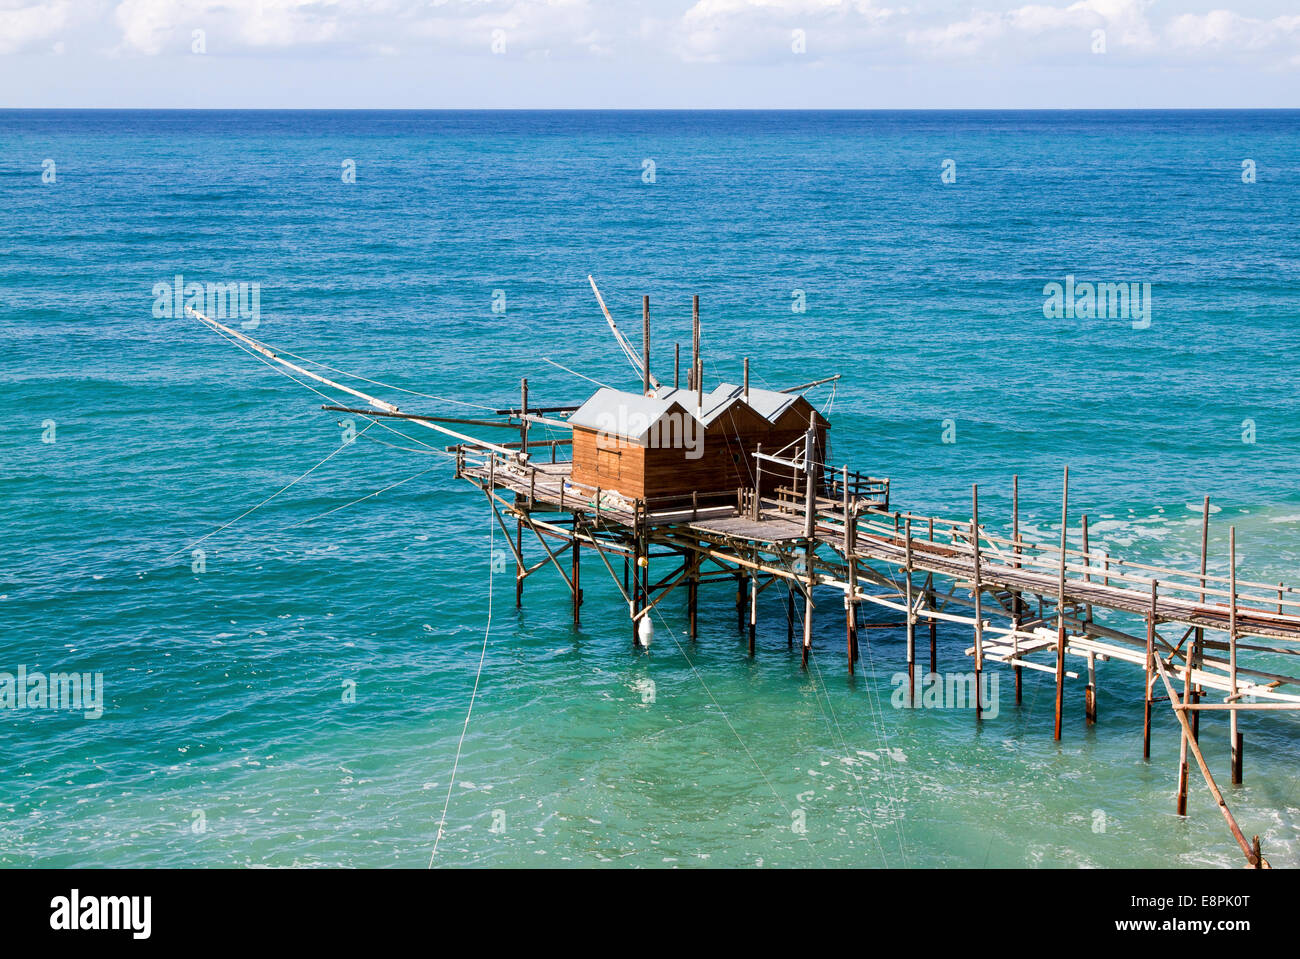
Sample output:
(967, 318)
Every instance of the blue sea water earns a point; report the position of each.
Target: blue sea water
(300, 700)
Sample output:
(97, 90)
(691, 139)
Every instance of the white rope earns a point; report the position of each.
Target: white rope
(831, 720)
(362, 499)
(442, 821)
(387, 386)
(877, 714)
(264, 502)
(547, 359)
(725, 718)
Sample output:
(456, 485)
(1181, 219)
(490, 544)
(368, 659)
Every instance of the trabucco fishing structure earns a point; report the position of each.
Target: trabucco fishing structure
(687, 486)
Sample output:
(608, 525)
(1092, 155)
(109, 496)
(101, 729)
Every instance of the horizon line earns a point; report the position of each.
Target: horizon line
(284, 109)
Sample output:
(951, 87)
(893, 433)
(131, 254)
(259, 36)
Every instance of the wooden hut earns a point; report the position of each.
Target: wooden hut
(668, 446)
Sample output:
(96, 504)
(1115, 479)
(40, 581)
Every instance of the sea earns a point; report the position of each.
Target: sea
(288, 612)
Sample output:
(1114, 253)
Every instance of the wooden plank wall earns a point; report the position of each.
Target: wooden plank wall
(726, 461)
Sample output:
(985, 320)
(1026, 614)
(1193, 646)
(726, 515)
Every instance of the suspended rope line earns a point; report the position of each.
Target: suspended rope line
(372, 400)
(547, 359)
(361, 499)
(253, 509)
(654, 608)
(878, 719)
(283, 372)
(387, 386)
(835, 722)
(858, 788)
(442, 821)
(830, 400)
(429, 449)
(725, 718)
(354, 502)
(410, 449)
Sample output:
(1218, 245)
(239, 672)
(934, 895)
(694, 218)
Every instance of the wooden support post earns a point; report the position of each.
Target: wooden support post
(1087, 568)
(809, 529)
(1252, 852)
(746, 386)
(789, 617)
(1191, 659)
(850, 597)
(1060, 606)
(693, 595)
(1089, 691)
(740, 601)
(1150, 672)
(635, 570)
(808, 612)
(645, 345)
(695, 332)
(1016, 602)
(646, 596)
(576, 576)
(1233, 733)
(934, 623)
(911, 615)
(844, 490)
(979, 609)
(753, 609)
(523, 419)
(855, 654)
(519, 552)
(810, 438)
(1198, 649)
(934, 630)
(1182, 746)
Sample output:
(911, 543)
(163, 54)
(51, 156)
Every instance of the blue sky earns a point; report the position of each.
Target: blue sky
(649, 53)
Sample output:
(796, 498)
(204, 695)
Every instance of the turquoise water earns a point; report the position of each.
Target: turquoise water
(227, 736)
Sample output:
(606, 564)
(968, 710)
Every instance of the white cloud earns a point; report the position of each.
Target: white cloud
(719, 31)
(22, 26)
(374, 27)
(1225, 30)
(962, 38)
(155, 26)
(527, 27)
(1038, 29)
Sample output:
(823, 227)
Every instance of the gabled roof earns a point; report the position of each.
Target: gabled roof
(626, 415)
(769, 404)
(716, 401)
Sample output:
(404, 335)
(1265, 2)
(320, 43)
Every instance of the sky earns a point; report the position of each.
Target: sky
(640, 54)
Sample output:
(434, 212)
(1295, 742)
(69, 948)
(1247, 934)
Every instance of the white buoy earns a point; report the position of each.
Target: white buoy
(645, 632)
